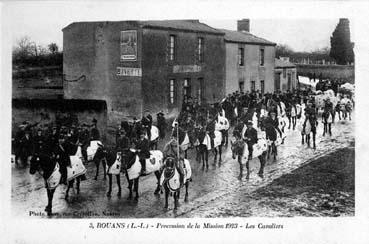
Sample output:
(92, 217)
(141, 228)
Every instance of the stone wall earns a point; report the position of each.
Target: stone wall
(346, 72)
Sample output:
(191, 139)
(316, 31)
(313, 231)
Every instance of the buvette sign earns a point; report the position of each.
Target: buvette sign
(128, 71)
(186, 68)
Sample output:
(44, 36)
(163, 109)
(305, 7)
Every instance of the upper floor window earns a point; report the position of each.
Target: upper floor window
(200, 49)
(172, 46)
(261, 57)
(241, 56)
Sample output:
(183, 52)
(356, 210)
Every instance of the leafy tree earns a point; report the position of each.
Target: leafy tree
(341, 45)
(53, 48)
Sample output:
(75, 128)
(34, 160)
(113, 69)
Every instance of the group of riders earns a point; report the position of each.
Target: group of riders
(249, 113)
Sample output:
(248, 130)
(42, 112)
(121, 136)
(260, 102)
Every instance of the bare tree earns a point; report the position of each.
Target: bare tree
(53, 48)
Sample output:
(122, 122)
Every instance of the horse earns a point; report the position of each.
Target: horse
(113, 160)
(273, 137)
(131, 166)
(222, 125)
(204, 144)
(240, 150)
(96, 158)
(310, 127)
(170, 180)
(49, 168)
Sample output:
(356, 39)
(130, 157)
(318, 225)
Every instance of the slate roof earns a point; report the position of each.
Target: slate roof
(184, 25)
(187, 25)
(279, 63)
(245, 37)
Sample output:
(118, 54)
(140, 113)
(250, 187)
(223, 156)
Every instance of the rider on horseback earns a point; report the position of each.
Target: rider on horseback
(250, 137)
(171, 149)
(143, 151)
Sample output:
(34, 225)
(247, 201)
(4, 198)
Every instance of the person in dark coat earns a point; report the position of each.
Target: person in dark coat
(143, 151)
(18, 141)
(210, 129)
(38, 143)
(94, 133)
(162, 124)
(251, 138)
(147, 123)
(123, 143)
(61, 153)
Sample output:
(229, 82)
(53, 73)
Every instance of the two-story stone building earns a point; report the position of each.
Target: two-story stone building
(136, 66)
(285, 75)
(249, 60)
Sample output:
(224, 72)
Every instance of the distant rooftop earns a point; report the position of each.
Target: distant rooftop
(280, 63)
(186, 25)
(245, 37)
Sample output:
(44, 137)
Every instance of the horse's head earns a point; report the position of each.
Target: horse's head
(128, 158)
(169, 166)
(237, 147)
(100, 152)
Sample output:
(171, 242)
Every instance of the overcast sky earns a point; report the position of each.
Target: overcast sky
(43, 23)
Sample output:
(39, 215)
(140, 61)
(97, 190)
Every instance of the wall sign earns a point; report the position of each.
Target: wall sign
(186, 68)
(128, 45)
(127, 71)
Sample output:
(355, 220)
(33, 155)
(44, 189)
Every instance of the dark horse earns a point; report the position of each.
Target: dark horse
(238, 148)
(170, 185)
(100, 157)
(202, 149)
(47, 165)
(110, 156)
(127, 161)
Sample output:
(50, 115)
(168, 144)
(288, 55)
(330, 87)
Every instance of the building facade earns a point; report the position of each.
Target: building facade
(249, 61)
(285, 75)
(136, 66)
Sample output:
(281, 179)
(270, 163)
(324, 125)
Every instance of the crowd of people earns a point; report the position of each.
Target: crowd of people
(239, 108)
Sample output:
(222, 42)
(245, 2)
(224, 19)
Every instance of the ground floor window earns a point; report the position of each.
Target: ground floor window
(186, 89)
(253, 85)
(241, 86)
(262, 87)
(200, 90)
(171, 91)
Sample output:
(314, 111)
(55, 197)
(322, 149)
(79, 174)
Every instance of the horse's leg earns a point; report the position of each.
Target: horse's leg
(302, 138)
(175, 196)
(50, 196)
(70, 184)
(166, 198)
(157, 190)
(104, 167)
(185, 153)
(262, 165)
(241, 166)
(248, 169)
(330, 129)
(110, 176)
(314, 134)
(207, 158)
(130, 183)
(136, 181)
(97, 163)
(275, 152)
(308, 139)
(186, 195)
(119, 186)
(215, 151)
(78, 183)
(220, 154)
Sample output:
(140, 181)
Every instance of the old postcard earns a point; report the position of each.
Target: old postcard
(163, 125)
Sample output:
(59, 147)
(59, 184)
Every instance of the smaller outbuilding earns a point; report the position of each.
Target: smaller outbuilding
(285, 75)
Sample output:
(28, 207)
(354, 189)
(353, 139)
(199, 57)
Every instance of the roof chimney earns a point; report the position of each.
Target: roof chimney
(243, 25)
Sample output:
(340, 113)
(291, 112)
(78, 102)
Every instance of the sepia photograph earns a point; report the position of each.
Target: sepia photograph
(122, 118)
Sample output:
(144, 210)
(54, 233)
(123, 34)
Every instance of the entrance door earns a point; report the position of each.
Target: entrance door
(289, 82)
(277, 82)
(200, 90)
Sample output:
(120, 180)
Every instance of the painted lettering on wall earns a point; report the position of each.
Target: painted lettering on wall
(127, 71)
(186, 68)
